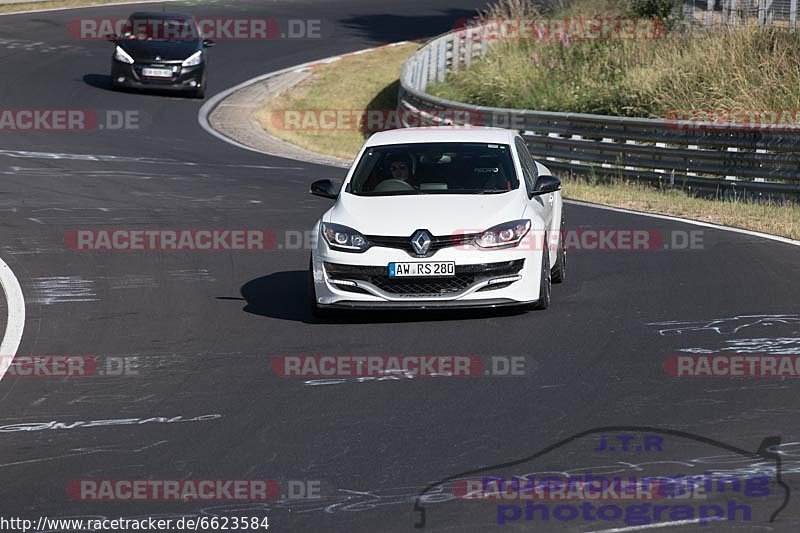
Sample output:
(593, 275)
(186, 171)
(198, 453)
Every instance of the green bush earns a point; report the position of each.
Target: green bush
(655, 9)
(661, 9)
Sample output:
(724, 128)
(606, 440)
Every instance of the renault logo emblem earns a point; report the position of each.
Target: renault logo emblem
(421, 241)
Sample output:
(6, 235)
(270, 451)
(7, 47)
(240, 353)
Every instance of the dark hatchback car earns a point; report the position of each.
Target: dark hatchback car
(160, 51)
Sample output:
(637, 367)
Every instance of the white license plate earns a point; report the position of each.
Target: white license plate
(157, 72)
(432, 269)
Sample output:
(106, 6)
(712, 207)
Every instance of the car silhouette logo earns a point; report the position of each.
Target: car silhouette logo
(421, 241)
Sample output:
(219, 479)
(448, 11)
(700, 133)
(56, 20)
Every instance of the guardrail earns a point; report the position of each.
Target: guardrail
(673, 152)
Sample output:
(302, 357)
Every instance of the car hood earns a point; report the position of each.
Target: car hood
(166, 50)
(438, 213)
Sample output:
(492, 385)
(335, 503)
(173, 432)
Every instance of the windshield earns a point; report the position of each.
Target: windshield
(434, 168)
(160, 29)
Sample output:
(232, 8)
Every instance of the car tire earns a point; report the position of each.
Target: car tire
(545, 281)
(316, 311)
(199, 93)
(559, 271)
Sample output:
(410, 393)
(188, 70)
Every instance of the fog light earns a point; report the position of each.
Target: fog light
(346, 282)
(193, 83)
(121, 79)
(506, 279)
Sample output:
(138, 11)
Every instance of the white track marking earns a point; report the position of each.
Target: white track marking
(652, 526)
(16, 317)
(211, 103)
(784, 240)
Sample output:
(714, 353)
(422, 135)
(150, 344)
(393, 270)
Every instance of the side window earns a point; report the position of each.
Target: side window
(526, 162)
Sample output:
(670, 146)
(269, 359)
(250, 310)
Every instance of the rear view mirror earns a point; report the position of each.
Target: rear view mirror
(546, 184)
(324, 188)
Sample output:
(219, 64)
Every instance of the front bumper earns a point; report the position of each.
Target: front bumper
(483, 278)
(183, 78)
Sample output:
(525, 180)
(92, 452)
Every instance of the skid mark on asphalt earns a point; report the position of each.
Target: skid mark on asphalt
(192, 275)
(63, 289)
(20, 45)
(132, 281)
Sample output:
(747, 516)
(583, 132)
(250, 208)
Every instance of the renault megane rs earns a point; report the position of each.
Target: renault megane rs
(439, 218)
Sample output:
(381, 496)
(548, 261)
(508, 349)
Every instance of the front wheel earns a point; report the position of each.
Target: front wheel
(545, 281)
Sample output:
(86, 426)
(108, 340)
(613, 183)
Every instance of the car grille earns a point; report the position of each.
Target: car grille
(437, 243)
(418, 286)
(466, 276)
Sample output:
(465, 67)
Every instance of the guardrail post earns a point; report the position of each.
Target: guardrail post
(793, 14)
(710, 13)
(692, 147)
(732, 149)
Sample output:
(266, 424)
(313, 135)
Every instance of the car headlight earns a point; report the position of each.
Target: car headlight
(122, 55)
(193, 59)
(504, 235)
(343, 238)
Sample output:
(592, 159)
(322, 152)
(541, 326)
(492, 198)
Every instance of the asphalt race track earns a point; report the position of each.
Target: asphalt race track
(204, 326)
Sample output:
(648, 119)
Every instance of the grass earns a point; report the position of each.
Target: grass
(783, 220)
(352, 84)
(750, 68)
(369, 81)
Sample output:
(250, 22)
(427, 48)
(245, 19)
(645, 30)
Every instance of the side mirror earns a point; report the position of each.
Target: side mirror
(324, 188)
(546, 184)
(209, 43)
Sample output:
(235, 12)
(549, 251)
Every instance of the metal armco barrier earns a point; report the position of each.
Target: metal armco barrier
(683, 153)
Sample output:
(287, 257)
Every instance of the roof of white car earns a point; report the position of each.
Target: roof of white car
(442, 134)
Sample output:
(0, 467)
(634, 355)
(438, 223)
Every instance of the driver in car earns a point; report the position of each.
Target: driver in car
(400, 167)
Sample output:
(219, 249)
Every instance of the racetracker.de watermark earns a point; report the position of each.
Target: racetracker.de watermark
(733, 366)
(71, 366)
(191, 240)
(372, 120)
(412, 366)
(63, 120)
(218, 29)
(562, 29)
(245, 490)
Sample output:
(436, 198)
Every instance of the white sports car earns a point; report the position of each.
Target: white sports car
(439, 218)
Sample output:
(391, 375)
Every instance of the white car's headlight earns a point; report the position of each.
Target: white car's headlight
(193, 59)
(343, 238)
(122, 55)
(504, 235)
